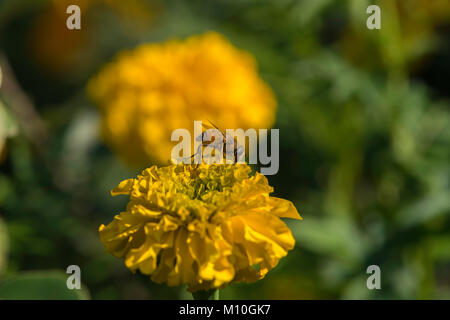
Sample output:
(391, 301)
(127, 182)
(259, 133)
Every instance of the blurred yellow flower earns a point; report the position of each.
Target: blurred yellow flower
(205, 226)
(148, 92)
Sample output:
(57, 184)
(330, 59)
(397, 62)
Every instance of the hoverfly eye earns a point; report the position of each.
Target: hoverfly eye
(207, 136)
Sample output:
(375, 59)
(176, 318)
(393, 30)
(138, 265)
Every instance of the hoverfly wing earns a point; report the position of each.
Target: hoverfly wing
(206, 136)
(240, 150)
(217, 128)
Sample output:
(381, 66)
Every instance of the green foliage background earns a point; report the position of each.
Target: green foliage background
(364, 124)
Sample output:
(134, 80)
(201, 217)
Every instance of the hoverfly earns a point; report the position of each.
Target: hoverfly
(208, 140)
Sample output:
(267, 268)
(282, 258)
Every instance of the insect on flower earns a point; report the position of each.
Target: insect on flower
(226, 144)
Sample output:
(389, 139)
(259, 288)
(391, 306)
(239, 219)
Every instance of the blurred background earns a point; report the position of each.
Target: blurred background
(364, 123)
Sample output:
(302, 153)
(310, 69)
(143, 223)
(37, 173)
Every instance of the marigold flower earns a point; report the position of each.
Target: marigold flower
(148, 92)
(204, 225)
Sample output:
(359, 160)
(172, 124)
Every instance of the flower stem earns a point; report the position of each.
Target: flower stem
(206, 295)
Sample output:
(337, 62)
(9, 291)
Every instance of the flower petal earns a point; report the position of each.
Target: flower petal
(283, 208)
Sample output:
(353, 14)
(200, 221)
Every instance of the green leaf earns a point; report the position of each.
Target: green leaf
(40, 285)
(8, 125)
(334, 236)
(424, 210)
(4, 246)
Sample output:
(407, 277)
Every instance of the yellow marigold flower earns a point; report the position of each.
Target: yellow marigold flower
(148, 92)
(204, 225)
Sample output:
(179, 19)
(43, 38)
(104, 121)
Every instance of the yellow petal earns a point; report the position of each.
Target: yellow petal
(123, 188)
(143, 258)
(283, 208)
(123, 233)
